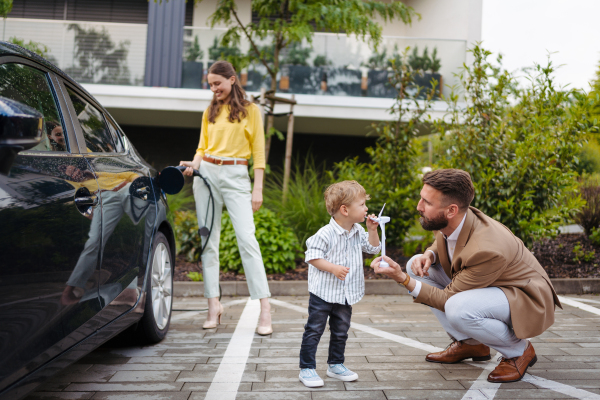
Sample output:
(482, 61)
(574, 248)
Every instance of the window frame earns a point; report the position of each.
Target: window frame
(72, 142)
(77, 125)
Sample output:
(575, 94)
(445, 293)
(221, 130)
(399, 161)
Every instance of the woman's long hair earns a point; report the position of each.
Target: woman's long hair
(237, 97)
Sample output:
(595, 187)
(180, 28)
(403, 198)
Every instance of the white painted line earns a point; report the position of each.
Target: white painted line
(192, 314)
(582, 299)
(227, 380)
(487, 389)
(575, 303)
(481, 389)
(561, 388)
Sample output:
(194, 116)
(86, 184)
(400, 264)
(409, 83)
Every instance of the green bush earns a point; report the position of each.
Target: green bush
(182, 201)
(278, 244)
(391, 175)
(304, 209)
(589, 158)
(519, 145)
(588, 215)
(187, 239)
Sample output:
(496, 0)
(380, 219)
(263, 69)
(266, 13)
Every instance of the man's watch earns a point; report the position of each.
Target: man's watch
(405, 283)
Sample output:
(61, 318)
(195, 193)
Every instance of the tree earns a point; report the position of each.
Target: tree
(5, 9)
(520, 145)
(285, 22)
(100, 59)
(390, 176)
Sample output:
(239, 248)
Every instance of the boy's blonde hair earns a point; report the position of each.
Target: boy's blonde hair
(343, 193)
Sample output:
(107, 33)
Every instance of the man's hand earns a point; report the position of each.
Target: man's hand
(372, 225)
(394, 271)
(340, 271)
(421, 264)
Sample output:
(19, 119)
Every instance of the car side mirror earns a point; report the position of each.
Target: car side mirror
(21, 128)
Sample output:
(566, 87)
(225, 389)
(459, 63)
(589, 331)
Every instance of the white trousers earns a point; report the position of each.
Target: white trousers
(231, 187)
(480, 314)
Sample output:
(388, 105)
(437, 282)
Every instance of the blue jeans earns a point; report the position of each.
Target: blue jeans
(339, 323)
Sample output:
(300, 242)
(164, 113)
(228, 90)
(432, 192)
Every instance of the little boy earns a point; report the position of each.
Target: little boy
(336, 278)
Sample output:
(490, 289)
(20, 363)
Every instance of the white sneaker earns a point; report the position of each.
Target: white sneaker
(310, 378)
(339, 371)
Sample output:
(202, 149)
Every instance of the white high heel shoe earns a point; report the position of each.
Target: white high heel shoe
(213, 324)
(264, 330)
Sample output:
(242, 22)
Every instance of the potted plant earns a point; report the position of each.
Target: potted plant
(379, 65)
(426, 68)
(192, 68)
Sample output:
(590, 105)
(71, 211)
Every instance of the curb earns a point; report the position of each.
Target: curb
(380, 287)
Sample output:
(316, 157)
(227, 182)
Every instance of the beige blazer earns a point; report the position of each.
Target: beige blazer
(487, 254)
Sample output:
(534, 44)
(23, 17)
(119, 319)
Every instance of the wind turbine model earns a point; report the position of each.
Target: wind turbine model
(382, 221)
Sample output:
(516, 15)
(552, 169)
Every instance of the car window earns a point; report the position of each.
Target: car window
(31, 87)
(117, 136)
(98, 138)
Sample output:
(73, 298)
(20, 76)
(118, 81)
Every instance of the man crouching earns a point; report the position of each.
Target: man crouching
(484, 286)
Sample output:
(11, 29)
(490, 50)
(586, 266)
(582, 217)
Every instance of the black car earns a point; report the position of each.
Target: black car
(86, 250)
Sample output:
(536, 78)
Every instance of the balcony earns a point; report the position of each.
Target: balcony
(342, 79)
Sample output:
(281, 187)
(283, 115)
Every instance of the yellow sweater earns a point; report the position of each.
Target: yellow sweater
(234, 139)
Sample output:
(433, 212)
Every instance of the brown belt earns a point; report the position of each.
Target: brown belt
(219, 161)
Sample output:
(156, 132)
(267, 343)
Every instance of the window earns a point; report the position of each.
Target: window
(117, 136)
(98, 139)
(30, 86)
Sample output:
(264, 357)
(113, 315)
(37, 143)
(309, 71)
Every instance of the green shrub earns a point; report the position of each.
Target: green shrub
(195, 276)
(278, 244)
(391, 175)
(595, 236)
(589, 158)
(187, 239)
(589, 214)
(519, 145)
(182, 201)
(304, 209)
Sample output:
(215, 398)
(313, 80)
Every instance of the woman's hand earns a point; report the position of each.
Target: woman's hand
(191, 166)
(257, 199)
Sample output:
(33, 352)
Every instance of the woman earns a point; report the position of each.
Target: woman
(232, 131)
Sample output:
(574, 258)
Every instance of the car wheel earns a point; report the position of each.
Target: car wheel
(159, 292)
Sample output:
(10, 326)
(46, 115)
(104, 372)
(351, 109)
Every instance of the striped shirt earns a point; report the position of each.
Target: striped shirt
(338, 246)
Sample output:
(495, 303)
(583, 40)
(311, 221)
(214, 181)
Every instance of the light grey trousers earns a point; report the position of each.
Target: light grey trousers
(230, 186)
(480, 314)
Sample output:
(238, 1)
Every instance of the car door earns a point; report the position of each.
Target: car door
(42, 229)
(127, 200)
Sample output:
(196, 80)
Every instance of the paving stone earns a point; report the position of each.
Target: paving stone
(269, 396)
(142, 396)
(530, 394)
(86, 376)
(145, 376)
(402, 375)
(124, 387)
(408, 384)
(168, 360)
(424, 394)
(207, 376)
(203, 387)
(59, 395)
(350, 395)
(330, 384)
(137, 352)
(569, 374)
(144, 367)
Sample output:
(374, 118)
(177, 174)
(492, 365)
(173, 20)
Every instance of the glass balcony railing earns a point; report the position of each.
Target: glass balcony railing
(91, 52)
(330, 65)
(338, 65)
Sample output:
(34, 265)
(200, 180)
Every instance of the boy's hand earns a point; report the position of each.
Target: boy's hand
(372, 225)
(340, 272)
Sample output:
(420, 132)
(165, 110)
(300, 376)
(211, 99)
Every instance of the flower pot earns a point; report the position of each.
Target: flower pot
(191, 75)
(379, 84)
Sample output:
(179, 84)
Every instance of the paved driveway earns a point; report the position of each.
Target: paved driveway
(388, 341)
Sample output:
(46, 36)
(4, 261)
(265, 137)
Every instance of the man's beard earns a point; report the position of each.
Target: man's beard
(434, 224)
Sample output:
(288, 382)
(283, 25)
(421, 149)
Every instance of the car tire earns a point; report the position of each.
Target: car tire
(154, 325)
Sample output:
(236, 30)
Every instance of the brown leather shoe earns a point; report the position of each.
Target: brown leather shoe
(513, 369)
(458, 351)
